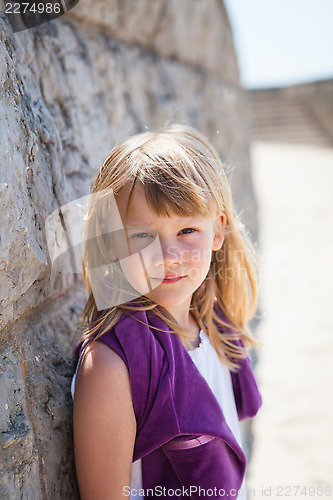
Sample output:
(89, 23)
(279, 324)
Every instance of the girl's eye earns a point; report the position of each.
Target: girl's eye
(188, 230)
(141, 235)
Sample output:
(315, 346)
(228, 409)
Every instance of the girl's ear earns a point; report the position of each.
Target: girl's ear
(219, 228)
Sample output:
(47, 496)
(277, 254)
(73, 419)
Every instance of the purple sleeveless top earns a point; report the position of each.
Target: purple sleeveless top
(173, 402)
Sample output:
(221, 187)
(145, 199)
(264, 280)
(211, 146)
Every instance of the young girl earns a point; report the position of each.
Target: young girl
(163, 374)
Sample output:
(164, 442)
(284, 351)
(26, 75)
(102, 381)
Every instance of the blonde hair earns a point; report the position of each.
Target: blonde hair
(180, 158)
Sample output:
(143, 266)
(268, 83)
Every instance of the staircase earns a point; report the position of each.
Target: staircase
(301, 114)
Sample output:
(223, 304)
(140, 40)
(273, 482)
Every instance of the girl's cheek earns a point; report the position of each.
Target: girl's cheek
(200, 247)
(195, 256)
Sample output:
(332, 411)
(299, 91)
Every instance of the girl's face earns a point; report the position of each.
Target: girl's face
(168, 257)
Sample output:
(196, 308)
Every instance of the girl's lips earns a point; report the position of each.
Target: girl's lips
(172, 280)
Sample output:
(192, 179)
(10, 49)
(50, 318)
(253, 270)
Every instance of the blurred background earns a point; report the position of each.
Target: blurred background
(285, 57)
(256, 78)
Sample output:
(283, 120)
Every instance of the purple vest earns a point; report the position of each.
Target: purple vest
(172, 401)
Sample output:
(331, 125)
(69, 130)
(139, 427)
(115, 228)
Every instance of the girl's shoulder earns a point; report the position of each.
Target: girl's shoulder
(136, 337)
(132, 324)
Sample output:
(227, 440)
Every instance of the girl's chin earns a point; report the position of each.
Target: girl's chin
(168, 301)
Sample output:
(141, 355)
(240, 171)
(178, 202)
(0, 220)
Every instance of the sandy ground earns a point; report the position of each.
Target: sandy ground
(294, 429)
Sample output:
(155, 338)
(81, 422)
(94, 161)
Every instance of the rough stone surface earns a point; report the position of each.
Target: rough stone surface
(35, 417)
(70, 90)
(194, 32)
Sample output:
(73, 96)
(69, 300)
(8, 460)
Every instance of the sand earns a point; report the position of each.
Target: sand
(293, 432)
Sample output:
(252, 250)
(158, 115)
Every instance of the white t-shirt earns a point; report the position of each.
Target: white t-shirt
(218, 377)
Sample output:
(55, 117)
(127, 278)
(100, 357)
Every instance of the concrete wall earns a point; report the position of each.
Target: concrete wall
(69, 90)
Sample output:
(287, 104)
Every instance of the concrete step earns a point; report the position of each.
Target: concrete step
(283, 118)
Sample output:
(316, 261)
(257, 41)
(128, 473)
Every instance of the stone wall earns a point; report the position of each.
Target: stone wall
(70, 89)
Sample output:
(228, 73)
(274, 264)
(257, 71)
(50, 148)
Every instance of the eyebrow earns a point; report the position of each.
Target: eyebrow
(135, 222)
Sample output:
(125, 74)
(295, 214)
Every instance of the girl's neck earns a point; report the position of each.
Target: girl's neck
(184, 317)
(188, 321)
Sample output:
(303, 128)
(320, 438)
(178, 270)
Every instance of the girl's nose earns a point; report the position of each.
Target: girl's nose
(169, 254)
